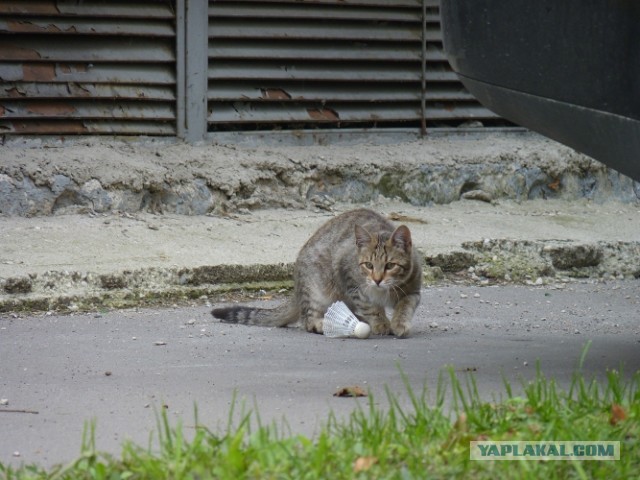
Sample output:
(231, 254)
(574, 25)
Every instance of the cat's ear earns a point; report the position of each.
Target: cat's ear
(363, 238)
(401, 238)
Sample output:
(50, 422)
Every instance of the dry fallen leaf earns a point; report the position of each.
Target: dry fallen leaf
(354, 391)
(362, 464)
(555, 185)
(617, 414)
(399, 217)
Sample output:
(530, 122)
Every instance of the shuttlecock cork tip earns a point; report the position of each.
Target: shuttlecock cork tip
(362, 330)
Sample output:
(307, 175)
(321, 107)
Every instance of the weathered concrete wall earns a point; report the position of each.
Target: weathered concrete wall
(196, 180)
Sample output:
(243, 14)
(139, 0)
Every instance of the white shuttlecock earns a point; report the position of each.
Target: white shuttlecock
(339, 321)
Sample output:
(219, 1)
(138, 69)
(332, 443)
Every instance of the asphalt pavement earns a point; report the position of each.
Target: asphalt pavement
(119, 367)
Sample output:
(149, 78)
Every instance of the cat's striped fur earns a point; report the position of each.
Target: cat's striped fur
(358, 257)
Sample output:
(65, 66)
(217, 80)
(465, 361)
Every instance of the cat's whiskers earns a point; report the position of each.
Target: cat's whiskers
(395, 289)
(353, 291)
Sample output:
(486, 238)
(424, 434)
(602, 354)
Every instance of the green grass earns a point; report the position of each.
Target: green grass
(396, 442)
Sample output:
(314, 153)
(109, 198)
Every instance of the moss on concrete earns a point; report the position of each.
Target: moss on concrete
(15, 285)
(113, 299)
(452, 261)
(517, 268)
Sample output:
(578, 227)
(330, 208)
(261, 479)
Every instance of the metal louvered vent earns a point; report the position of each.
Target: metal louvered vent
(87, 67)
(187, 67)
(333, 63)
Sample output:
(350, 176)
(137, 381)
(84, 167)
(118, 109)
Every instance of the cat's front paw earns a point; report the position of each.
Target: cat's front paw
(314, 325)
(381, 328)
(400, 331)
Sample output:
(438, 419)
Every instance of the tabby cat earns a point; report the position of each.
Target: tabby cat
(358, 257)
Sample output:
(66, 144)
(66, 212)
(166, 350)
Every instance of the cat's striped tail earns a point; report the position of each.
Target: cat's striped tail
(280, 316)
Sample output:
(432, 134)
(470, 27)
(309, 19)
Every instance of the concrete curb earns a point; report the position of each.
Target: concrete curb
(523, 261)
(483, 262)
(85, 291)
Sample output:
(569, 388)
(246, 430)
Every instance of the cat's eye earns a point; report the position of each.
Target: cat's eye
(368, 265)
(390, 266)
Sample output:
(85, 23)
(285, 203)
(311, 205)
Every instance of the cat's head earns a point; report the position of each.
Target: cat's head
(385, 260)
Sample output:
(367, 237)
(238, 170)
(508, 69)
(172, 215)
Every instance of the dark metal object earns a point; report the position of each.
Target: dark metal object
(567, 69)
(185, 67)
